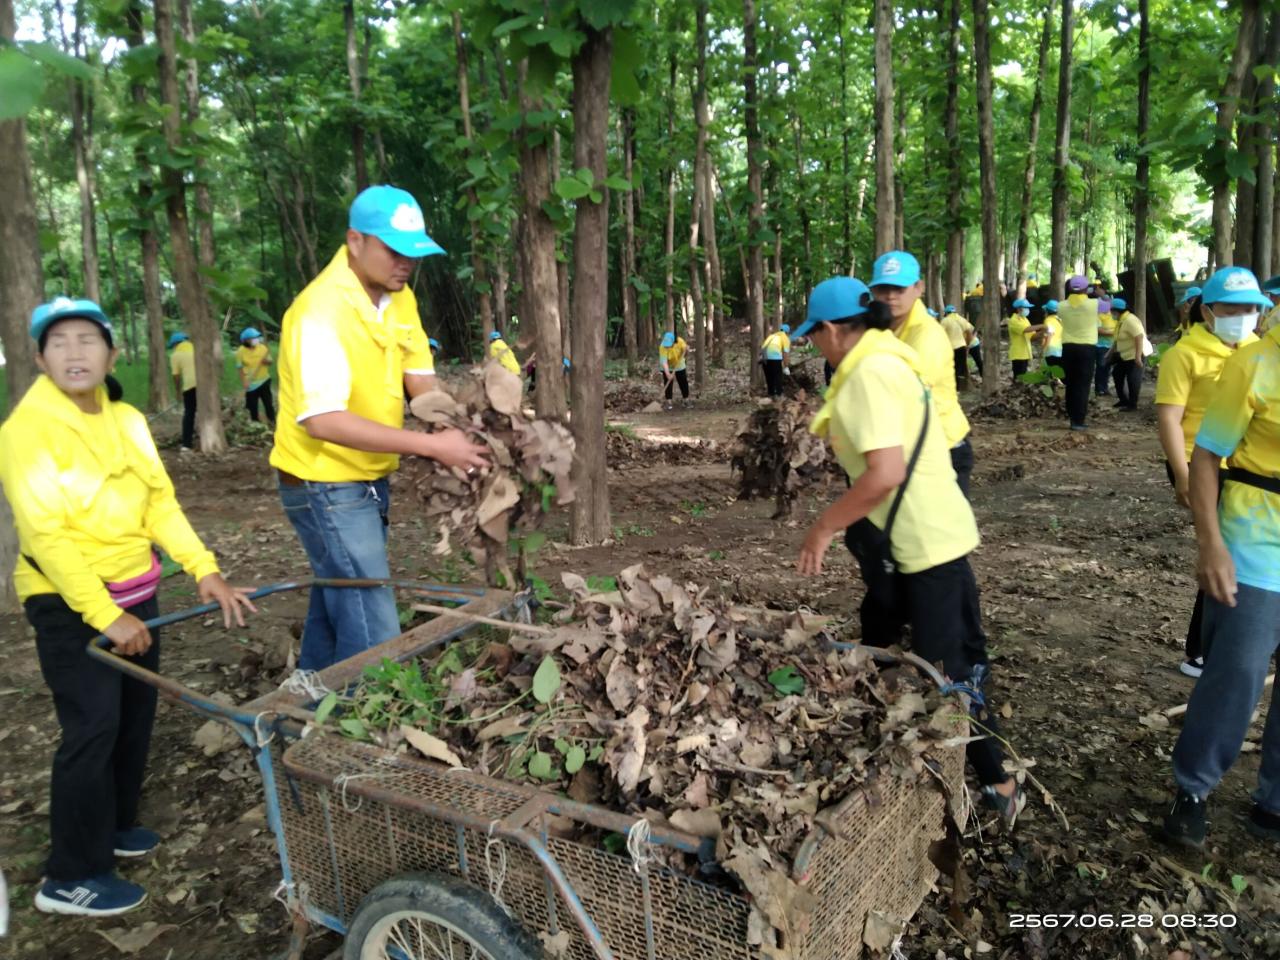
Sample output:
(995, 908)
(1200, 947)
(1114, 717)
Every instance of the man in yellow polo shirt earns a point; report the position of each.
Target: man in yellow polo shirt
(1079, 316)
(351, 347)
(954, 326)
(895, 282)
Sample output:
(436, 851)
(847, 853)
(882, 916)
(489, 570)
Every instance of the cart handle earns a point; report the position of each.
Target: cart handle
(100, 646)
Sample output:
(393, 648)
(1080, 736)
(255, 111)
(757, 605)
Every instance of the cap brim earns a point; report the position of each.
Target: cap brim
(1245, 297)
(804, 328)
(894, 281)
(410, 244)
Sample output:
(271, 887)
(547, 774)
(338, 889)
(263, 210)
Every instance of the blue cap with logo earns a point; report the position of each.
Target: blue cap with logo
(1051, 306)
(177, 338)
(835, 299)
(1234, 285)
(66, 308)
(250, 333)
(896, 268)
(668, 339)
(394, 217)
(1188, 295)
(1119, 303)
(1022, 303)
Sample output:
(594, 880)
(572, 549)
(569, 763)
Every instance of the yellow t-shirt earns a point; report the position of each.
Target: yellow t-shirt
(1269, 320)
(182, 362)
(499, 350)
(338, 351)
(89, 496)
(937, 361)
(1053, 345)
(1079, 316)
(1106, 329)
(1128, 330)
(1189, 372)
(876, 400)
(1019, 337)
(953, 325)
(776, 346)
(251, 361)
(1242, 423)
(672, 358)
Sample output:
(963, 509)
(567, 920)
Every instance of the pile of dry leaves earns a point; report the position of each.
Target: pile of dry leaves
(659, 700)
(776, 455)
(531, 461)
(625, 449)
(1022, 401)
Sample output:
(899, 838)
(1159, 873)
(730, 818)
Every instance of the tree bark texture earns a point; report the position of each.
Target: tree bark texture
(1033, 141)
(715, 285)
(699, 195)
(204, 201)
(195, 309)
(589, 513)
(479, 273)
(990, 324)
(755, 188)
(1058, 256)
(1142, 186)
(885, 209)
(953, 287)
(353, 78)
(1263, 251)
(1228, 107)
(627, 198)
(1247, 131)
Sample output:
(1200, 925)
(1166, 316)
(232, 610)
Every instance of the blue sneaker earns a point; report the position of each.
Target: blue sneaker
(101, 896)
(135, 842)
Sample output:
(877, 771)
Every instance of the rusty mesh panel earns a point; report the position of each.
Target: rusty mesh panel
(343, 845)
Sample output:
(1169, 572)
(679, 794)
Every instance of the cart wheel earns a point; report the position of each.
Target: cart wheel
(425, 917)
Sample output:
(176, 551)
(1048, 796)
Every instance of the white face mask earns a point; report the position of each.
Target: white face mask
(1024, 312)
(1234, 329)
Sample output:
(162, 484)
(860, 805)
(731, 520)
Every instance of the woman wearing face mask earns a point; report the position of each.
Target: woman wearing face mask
(89, 497)
(879, 418)
(1238, 567)
(1021, 332)
(253, 360)
(1189, 374)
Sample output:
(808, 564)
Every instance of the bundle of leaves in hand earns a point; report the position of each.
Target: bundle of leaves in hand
(530, 464)
(657, 699)
(776, 455)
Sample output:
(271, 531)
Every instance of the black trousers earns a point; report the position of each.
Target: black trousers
(1128, 380)
(1078, 362)
(682, 378)
(976, 352)
(189, 418)
(962, 464)
(773, 377)
(1194, 644)
(1101, 375)
(941, 607)
(1019, 367)
(106, 719)
(962, 365)
(260, 393)
(828, 371)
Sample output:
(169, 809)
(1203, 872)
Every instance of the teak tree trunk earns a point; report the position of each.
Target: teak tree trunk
(630, 318)
(353, 79)
(204, 201)
(1247, 143)
(755, 188)
(1228, 106)
(699, 195)
(186, 273)
(885, 209)
(953, 288)
(1033, 142)
(1142, 198)
(715, 286)
(1263, 250)
(1058, 257)
(669, 236)
(479, 276)
(990, 324)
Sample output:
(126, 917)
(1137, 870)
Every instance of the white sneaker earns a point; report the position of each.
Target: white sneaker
(1192, 668)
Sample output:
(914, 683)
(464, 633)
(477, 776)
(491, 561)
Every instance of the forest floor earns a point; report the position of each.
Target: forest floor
(1085, 570)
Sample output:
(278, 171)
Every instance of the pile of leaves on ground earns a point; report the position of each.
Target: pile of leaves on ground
(625, 449)
(632, 396)
(530, 464)
(657, 699)
(776, 456)
(1022, 401)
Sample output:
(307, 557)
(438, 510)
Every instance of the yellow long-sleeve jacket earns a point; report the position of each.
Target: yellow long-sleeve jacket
(89, 497)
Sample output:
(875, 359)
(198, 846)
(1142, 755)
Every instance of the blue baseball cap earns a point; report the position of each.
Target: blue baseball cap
(932, 312)
(495, 335)
(567, 364)
(1272, 285)
(835, 299)
(433, 343)
(668, 339)
(1051, 306)
(785, 328)
(897, 268)
(1190, 294)
(65, 308)
(1234, 285)
(394, 217)
(949, 309)
(1119, 303)
(1022, 303)
(177, 338)
(249, 333)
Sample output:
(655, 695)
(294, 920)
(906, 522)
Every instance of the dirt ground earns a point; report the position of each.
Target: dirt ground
(1085, 571)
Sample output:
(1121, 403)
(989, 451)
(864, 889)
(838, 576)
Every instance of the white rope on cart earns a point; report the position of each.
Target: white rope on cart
(498, 874)
(305, 683)
(639, 846)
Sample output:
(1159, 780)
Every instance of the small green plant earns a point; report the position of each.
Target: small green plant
(786, 680)
(1055, 525)
(1043, 378)
(637, 530)
(696, 510)
(625, 429)
(1238, 883)
(599, 584)
(715, 555)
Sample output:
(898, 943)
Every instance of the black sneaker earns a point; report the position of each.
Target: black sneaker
(1192, 667)
(1263, 824)
(1185, 823)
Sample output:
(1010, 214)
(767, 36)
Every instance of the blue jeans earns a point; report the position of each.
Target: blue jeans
(343, 529)
(1239, 643)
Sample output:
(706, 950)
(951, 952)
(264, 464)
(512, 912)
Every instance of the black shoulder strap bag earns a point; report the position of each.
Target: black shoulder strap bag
(873, 547)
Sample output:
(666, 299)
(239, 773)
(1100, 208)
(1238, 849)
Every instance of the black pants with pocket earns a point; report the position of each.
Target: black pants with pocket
(1078, 362)
(189, 418)
(773, 377)
(106, 719)
(1128, 380)
(260, 393)
(941, 607)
